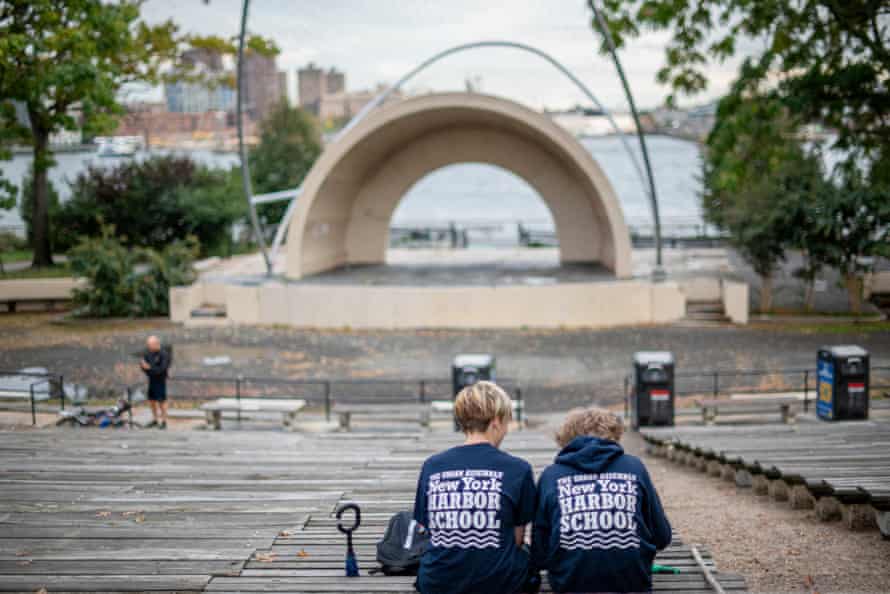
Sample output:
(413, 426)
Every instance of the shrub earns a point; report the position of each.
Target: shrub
(153, 202)
(129, 281)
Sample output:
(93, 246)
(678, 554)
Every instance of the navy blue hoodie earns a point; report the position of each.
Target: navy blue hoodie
(598, 520)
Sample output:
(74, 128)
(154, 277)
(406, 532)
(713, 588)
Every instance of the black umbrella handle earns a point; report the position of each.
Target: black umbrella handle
(355, 524)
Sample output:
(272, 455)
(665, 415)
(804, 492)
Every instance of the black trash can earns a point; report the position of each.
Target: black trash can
(652, 401)
(467, 369)
(843, 382)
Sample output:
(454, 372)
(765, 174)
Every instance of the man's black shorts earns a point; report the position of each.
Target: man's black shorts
(157, 392)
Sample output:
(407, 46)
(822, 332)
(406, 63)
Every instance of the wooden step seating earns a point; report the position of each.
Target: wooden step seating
(133, 511)
(842, 469)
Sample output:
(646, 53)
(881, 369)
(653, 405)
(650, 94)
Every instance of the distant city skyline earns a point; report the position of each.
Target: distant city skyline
(375, 42)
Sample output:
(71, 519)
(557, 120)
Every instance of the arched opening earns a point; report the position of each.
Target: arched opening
(472, 206)
(343, 215)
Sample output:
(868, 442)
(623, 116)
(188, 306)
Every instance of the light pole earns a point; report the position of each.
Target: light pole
(657, 273)
(242, 149)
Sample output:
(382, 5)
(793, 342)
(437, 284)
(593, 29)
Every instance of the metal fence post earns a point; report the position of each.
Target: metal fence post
(806, 390)
(519, 400)
(130, 406)
(716, 383)
(61, 391)
(33, 407)
(626, 399)
(238, 397)
(422, 395)
(327, 400)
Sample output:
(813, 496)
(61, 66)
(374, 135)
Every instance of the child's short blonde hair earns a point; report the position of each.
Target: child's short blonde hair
(481, 403)
(595, 422)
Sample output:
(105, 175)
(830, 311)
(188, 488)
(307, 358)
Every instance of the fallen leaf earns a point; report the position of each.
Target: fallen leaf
(284, 533)
(41, 591)
(129, 513)
(266, 557)
(140, 518)
(22, 553)
(302, 553)
(24, 563)
(103, 514)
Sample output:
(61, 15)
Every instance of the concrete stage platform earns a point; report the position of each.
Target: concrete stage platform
(444, 288)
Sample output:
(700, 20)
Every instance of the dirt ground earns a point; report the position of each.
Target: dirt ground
(776, 548)
(557, 368)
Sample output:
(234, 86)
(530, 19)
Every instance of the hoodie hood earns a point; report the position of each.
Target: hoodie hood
(589, 454)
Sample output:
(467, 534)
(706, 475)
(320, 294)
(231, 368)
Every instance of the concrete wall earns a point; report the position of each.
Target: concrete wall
(601, 305)
(343, 213)
(735, 301)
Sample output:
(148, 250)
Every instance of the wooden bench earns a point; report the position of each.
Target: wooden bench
(287, 407)
(446, 407)
(408, 412)
(711, 407)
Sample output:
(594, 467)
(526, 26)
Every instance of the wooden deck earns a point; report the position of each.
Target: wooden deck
(842, 469)
(124, 511)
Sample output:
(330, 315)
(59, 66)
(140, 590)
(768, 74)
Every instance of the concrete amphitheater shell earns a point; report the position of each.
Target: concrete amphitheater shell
(348, 198)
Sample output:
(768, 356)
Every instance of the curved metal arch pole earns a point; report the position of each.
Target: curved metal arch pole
(242, 149)
(379, 99)
(658, 273)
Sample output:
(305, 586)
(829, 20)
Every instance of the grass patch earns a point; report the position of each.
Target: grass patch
(16, 256)
(839, 327)
(56, 271)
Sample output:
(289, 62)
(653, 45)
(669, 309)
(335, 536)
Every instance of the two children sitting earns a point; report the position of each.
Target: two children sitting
(597, 519)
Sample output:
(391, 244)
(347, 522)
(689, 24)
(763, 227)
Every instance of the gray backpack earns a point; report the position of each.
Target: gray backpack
(404, 542)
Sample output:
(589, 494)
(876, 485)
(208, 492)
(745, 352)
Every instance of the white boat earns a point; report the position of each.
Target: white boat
(118, 146)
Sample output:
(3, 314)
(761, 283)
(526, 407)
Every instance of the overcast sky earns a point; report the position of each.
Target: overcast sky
(379, 40)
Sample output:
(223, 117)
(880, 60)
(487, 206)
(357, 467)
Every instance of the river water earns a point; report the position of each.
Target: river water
(475, 192)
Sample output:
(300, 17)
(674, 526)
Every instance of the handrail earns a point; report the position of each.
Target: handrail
(328, 385)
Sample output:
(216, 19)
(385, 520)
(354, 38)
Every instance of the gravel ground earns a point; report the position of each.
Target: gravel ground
(558, 368)
(774, 547)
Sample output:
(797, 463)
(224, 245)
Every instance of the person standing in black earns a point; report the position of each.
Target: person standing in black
(155, 364)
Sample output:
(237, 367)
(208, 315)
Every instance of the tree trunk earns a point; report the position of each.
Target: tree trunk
(43, 255)
(809, 297)
(766, 293)
(854, 291)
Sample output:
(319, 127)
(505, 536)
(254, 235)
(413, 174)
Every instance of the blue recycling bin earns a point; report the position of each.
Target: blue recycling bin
(842, 383)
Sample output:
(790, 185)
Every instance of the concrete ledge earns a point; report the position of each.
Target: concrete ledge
(597, 305)
(735, 301)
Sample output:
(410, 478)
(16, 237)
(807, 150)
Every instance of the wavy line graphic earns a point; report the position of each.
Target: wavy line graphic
(600, 537)
(574, 547)
(618, 539)
(466, 543)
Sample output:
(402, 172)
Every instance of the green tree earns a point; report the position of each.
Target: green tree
(153, 202)
(855, 224)
(756, 178)
(56, 57)
(830, 58)
(290, 142)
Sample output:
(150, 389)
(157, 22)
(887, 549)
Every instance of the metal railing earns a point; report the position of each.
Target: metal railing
(54, 383)
(713, 382)
(324, 392)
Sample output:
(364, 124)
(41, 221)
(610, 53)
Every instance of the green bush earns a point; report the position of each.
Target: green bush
(129, 281)
(152, 203)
